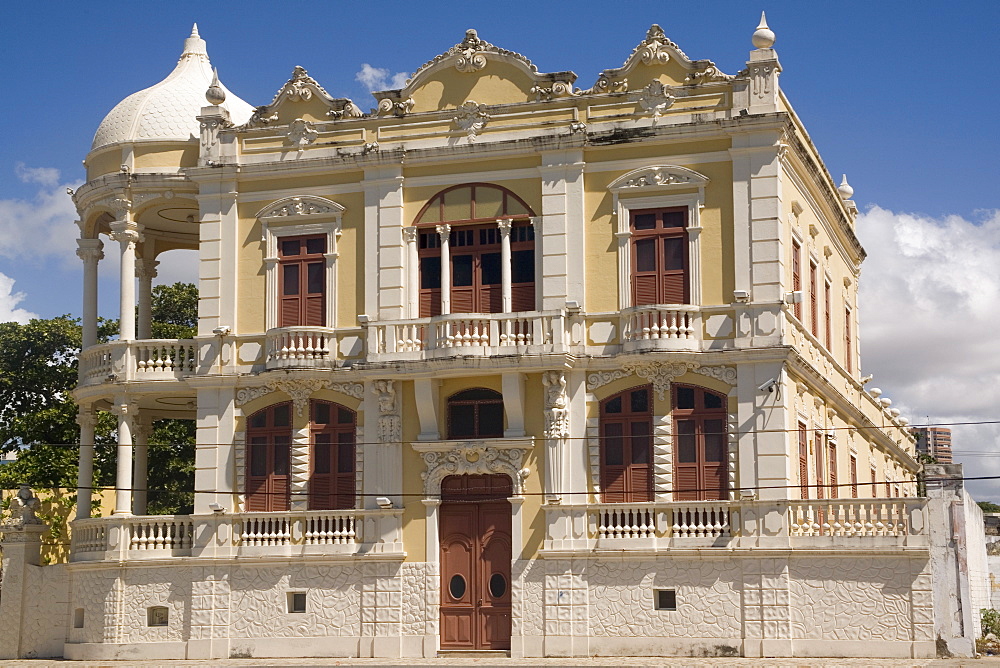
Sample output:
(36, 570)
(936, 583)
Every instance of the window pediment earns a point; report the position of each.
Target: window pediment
(301, 208)
(658, 177)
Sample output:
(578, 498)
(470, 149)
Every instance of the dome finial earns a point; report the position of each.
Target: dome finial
(194, 45)
(845, 189)
(763, 37)
(215, 94)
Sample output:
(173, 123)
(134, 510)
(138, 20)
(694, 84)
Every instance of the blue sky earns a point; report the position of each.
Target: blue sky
(901, 96)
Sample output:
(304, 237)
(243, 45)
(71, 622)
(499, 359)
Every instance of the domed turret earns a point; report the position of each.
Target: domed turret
(167, 110)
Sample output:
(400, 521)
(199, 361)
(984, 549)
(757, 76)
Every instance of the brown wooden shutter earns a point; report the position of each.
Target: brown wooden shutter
(803, 461)
(832, 451)
(820, 452)
(813, 304)
(674, 289)
(848, 343)
(797, 276)
(644, 291)
(854, 477)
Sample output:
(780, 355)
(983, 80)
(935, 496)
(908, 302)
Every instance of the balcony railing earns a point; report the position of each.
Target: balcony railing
(661, 327)
(147, 359)
(748, 523)
(460, 334)
(343, 532)
(311, 347)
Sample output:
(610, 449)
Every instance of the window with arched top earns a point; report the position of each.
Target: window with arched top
(699, 444)
(627, 446)
(269, 441)
(332, 481)
(470, 225)
(475, 413)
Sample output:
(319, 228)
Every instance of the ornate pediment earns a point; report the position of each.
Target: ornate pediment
(302, 91)
(659, 177)
(656, 51)
(471, 57)
(445, 458)
(304, 206)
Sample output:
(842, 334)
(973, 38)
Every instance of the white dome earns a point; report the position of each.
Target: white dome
(168, 109)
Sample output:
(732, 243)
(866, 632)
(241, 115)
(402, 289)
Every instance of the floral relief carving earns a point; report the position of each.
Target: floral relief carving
(298, 389)
(601, 378)
(726, 374)
(301, 206)
(470, 55)
(654, 99)
(471, 118)
(557, 89)
(660, 176)
(659, 374)
(653, 49)
(247, 394)
(398, 108)
(356, 390)
(473, 458)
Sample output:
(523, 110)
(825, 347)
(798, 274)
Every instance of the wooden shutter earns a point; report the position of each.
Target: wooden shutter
(302, 282)
(832, 466)
(813, 305)
(613, 467)
(820, 454)
(700, 445)
(797, 276)
(803, 461)
(674, 289)
(854, 477)
(848, 343)
(827, 326)
(659, 257)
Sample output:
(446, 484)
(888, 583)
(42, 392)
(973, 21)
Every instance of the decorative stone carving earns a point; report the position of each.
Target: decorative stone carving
(262, 116)
(654, 99)
(301, 133)
(300, 87)
(652, 49)
(356, 390)
(390, 428)
(606, 84)
(349, 110)
(469, 57)
(708, 73)
(125, 231)
(473, 458)
(298, 389)
(556, 405)
(659, 176)
(557, 89)
(121, 207)
(601, 378)
(472, 118)
(301, 206)
(23, 507)
(660, 374)
(726, 374)
(396, 108)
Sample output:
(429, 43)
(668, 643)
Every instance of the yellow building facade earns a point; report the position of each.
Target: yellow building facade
(504, 364)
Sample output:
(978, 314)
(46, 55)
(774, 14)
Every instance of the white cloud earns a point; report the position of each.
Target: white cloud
(9, 301)
(43, 226)
(930, 309)
(377, 78)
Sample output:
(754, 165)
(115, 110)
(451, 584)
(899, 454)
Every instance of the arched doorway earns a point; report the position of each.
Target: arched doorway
(475, 530)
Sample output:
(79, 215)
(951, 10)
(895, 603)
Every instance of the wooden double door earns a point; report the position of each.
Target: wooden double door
(475, 531)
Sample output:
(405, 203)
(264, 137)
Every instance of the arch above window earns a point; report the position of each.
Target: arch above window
(472, 203)
(475, 413)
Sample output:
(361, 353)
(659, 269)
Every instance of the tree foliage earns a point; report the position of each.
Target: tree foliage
(988, 507)
(38, 370)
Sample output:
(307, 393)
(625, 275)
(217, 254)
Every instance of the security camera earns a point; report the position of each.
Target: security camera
(383, 502)
(217, 507)
(768, 386)
(221, 331)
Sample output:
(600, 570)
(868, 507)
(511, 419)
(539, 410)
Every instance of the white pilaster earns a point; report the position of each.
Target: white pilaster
(561, 237)
(91, 252)
(85, 472)
(215, 450)
(445, 232)
(513, 404)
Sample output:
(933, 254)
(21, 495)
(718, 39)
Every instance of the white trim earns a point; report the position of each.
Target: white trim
(623, 208)
(275, 227)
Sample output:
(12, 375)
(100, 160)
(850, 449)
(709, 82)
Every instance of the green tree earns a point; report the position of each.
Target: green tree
(988, 507)
(38, 370)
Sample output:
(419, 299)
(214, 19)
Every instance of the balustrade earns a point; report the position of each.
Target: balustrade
(174, 357)
(878, 517)
(161, 533)
(301, 346)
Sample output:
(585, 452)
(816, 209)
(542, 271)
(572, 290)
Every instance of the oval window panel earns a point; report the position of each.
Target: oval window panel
(498, 586)
(456, 587)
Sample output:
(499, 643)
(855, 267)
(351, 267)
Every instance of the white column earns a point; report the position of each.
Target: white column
(445, 232)
(90, 251)
(126, 233)
(123, 480)
(412, 273)
(146, 272)
(85, 473)
(140, 468)
(505, 266)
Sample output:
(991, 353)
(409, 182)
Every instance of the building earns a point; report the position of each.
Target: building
(504, 364)
(934, 442)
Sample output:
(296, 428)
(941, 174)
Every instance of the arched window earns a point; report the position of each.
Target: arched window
(659, 263)
(476, 255)
(699, 444)
(627, 446)
(475, 413)
(269, 439)
(331, 483)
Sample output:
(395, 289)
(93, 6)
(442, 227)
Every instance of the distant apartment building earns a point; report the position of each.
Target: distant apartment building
(934, 441)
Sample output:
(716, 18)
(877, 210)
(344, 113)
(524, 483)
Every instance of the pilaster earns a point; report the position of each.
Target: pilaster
(561, 236)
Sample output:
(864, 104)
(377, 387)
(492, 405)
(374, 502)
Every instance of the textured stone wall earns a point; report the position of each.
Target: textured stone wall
(44, 629)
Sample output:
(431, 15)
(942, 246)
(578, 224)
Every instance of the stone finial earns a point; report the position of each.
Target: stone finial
(763, 37)
(845, 189)
(194, 45)
(215, 94)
